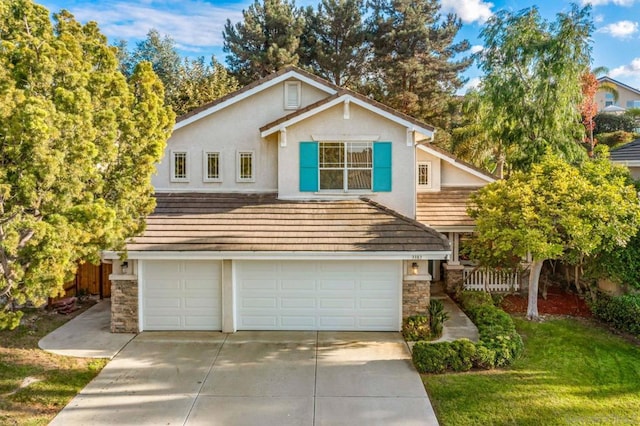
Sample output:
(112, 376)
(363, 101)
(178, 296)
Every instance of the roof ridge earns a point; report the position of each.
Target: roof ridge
(404, 218)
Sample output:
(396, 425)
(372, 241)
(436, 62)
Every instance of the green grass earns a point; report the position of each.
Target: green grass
(55, 379)
(571, 373)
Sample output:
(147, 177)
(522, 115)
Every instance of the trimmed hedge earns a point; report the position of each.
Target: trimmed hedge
(499, 344)
(623, 312)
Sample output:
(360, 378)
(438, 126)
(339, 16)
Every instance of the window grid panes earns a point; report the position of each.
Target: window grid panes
(179, 165)
(213, 165)
(245, 165)
(423, 174)
(346, 165)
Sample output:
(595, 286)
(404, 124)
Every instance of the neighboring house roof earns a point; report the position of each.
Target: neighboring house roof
(342, 96)
(253, 88)
(446, 209)
(453, 160)
(235, 222)
(617, 83)
(627, 153)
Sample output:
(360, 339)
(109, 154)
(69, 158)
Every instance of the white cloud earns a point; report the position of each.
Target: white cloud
(598, 19)
(193, 24)
(469, 10)
(629, 70)
(473, 83)
(477, 48)
(606, 2)
(620, 29)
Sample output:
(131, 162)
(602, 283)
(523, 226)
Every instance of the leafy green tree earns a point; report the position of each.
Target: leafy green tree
(78, 144)
(606, 123)
(266, 41)
(413, 67)
(333, 44)
(554, 211)
(532, 82)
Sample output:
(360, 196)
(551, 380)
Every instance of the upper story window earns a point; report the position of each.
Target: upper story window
(608, 99)
(292, 94)
(424, 175)
(246, 166)
(345, 166)
(633, 104)
(211, 167)
(179, 166)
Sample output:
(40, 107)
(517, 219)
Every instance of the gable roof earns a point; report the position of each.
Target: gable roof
(234, 222)
(608, 79)
(456, 162)
(253, 88)
(628, 153)
(342, 96)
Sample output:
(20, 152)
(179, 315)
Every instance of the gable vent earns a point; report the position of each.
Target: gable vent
(292, 95)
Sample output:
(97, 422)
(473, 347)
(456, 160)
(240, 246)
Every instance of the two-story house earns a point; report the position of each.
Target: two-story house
(628, 97)
(293, 204)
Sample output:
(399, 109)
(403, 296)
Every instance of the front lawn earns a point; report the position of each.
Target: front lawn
(34, 384)
(572, 372)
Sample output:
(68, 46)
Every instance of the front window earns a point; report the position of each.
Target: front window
(246, 167)
(424, 175)
(346, 166)
(179, 166)
(212, 167)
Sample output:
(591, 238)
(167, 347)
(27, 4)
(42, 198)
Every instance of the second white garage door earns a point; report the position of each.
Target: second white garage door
(318, 295)
(181, 295)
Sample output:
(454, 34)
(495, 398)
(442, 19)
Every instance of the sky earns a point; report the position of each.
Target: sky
(196, 25)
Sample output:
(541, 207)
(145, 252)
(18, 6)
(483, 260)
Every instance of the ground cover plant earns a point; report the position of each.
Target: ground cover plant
(572, 372)
(35, 385)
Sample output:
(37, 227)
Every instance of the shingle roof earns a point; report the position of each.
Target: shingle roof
(262, 223)
(446, 208)
(627, 152)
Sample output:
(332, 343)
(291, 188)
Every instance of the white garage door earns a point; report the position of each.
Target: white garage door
(318, 295)
(181, 295)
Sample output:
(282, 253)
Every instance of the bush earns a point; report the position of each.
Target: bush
(437, 317)
(623, 312)
(499, 344)
(416, 327)
(609, 123)
(614, 139)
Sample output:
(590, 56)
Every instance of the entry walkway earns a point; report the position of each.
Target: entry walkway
(87, 336)
(458, 326)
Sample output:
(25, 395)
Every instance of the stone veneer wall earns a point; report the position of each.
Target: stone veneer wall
(124, 306)
(453, 277)
(415, 297)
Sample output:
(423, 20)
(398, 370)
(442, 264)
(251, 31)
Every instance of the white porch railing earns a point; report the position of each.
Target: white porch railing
(484, 279)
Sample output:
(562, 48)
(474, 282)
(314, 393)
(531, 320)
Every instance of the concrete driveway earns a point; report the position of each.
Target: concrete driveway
(255, 378)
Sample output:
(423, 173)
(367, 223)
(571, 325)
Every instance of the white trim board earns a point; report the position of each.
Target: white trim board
(259, 88)
(455, 163)
(234, 255)
(351, 99)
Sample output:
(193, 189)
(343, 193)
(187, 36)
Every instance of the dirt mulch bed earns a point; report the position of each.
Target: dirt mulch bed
(558, 302)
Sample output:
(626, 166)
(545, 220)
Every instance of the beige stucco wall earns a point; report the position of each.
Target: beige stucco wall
(331, 122)
(444, 173)
(227, 131)
(436, 169)
(624, 95)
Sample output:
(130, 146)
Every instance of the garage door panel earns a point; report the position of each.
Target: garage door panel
(319, 295)
(181, 295)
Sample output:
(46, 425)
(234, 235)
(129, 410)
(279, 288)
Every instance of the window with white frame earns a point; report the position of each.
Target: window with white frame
(292, 92)
(246, 166)
(179, 166)
(211, 167)
(424, 174)
(346, 166)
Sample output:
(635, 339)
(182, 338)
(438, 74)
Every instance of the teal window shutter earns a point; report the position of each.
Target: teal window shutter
(308, 166)
(382, 166)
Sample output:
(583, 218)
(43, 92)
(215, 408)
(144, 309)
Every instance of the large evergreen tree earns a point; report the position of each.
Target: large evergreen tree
(78, 144)
(532, 83)
(333, 44)
(414, 69)
(266, 41)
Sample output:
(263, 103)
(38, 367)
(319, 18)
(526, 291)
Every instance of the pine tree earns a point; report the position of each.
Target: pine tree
(333, 45)
(266, 41)
(413, 50)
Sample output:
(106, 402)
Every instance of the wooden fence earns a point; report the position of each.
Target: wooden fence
(90, 279)
(484, 279)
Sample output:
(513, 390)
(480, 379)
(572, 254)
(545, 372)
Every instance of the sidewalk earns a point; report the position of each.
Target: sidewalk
(87, 336)
(458, 325)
